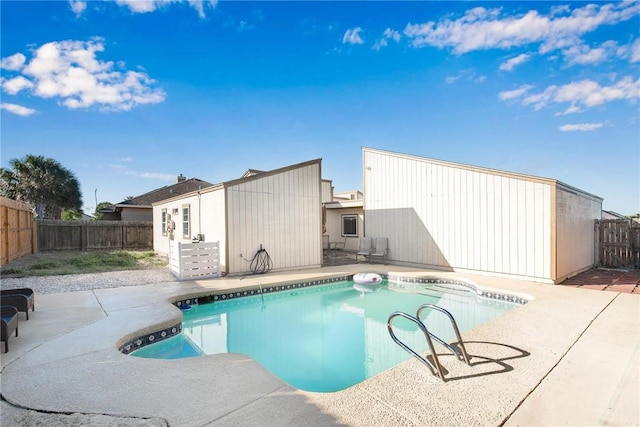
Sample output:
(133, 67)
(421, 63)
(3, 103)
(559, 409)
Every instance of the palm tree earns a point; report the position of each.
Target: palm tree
(44, 183)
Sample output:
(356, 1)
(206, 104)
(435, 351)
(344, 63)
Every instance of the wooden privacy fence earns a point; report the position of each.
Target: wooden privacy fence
(192, 261)
(16, 230)
(93, 235)
(619, 241)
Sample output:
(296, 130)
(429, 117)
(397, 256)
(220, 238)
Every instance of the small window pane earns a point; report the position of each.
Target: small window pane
(350, 225)
(185, 222)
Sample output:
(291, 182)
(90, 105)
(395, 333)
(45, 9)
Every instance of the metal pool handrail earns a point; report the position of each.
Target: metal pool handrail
(436, 367)
(462, 354)
(435, 370)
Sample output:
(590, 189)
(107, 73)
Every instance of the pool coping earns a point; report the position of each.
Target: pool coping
(518, 358)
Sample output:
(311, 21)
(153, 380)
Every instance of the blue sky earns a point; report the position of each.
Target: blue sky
(129, 94)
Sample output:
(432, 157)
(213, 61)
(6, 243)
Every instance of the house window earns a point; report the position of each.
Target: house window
(164, 222)
(350, 225)
(186, 227)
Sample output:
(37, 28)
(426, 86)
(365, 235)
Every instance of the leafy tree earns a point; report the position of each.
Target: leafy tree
(71, 215)
(42, 182)
(97, 214)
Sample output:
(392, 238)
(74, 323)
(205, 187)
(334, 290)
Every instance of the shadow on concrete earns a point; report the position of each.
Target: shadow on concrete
(486, 365)
(338, 257)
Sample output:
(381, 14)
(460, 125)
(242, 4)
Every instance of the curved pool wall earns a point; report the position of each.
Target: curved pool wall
(394, 281)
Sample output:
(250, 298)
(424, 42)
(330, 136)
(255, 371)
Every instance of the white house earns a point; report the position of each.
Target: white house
(457, 217)
(344, 217)
(279, 211)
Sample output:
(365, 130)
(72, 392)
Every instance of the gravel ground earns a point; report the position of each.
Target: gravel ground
(86, 282)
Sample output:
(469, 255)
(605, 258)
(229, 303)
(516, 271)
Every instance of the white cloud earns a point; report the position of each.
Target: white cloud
(630, 51)
(140, 6)
(468, 75)
(512, 63)
(571, 110)
(69, 70)
(146, 6)
(591, 94)
(388, 34)
(583, 54)
(17, 109)
(481, 28)
(78, 6)
(635, 51)
(352, 36)
(154, 175)
(150, 175)
(583, 127)
(13, 62)
(380, 44)
(392, 34)
(515, 93)
(16, 84)
(244, 26)
(579, 95)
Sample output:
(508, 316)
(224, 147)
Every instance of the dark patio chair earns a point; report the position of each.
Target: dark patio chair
(22, 298)
(8, 324)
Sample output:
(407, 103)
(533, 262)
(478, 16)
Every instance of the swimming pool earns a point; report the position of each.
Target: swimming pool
(327, 337)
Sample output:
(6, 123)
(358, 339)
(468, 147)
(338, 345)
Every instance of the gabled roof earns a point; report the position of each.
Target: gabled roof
(159, 194)
(250, 175)
(612, 215)
(251, 172)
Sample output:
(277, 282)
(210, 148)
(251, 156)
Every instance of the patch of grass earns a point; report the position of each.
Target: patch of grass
(143, 255)
(109, 259)
(72, 262)
(44, 265)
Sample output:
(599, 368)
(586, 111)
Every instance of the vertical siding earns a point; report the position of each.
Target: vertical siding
(327, 191)
(213, 220)
(281, 212)
(464, 218)
(207, 217)
(575, 218)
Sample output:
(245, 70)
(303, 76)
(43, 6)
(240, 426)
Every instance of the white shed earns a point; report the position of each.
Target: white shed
(465, 218)
(279, 210)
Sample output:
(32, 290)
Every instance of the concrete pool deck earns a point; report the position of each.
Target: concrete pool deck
(570, 356)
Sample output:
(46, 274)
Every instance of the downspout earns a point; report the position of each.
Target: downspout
(199, 216)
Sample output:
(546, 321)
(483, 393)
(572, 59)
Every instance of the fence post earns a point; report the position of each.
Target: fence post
(180, 267)
(34, 237)
(4, 215)
(83, 237)
(596, 252)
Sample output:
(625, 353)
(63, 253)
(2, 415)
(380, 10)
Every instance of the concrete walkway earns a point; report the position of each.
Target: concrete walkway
(568, 357)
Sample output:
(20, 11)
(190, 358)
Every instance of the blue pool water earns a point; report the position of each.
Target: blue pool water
(322, 338)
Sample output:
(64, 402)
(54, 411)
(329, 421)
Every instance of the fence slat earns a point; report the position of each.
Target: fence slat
(190, 261)
(619, 243)
(93, 235)
(16, 230)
